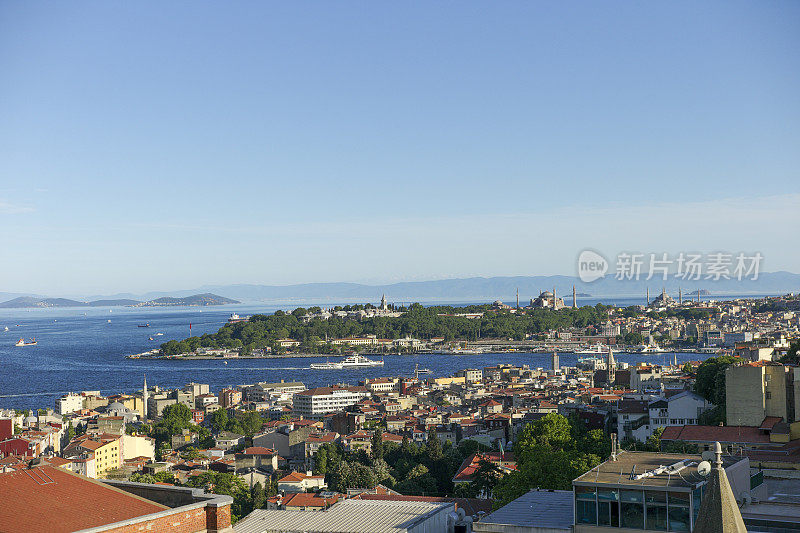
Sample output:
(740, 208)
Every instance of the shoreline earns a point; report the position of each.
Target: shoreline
(154, 357)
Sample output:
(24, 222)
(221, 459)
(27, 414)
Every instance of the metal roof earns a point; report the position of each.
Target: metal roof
(356, 516)
(538, 508)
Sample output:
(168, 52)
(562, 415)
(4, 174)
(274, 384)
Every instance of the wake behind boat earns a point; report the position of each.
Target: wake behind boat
(353, 361)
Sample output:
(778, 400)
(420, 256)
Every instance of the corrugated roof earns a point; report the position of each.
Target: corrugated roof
(356, 516)
(538, 508)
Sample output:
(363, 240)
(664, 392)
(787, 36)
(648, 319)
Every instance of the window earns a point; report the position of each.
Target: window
(631, 509)
(585, 505)
(768, 395)
(656, 510)
(608, 508)
(678, 511)
(697, 498)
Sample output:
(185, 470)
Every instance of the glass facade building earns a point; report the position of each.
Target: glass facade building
(652, 509)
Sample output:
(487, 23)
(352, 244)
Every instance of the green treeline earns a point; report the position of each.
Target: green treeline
(420, 322)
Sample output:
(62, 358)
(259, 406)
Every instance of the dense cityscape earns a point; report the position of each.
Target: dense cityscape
(474, 444)
(400, 267)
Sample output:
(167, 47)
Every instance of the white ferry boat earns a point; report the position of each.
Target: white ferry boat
(596, 349)
(353, 361)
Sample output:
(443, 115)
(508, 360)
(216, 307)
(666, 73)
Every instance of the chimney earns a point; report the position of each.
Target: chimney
(613, 446)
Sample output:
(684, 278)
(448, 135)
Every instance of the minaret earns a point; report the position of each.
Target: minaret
(574, 298)
(384, 306)
(680, 296)
(611, 367)
(647, 298)
(554, 297)
(144, 398)
(556, 362)
(517, 297)
(698, 295)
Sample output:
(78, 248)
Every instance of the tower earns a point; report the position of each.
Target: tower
(517, 297)
(556, 362)
(384, 305)
(554, 297)
(144, 397)
(574, 298)
(611, 367)
(680, 296)
(647, 297)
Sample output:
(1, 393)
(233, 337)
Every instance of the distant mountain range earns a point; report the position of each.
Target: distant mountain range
(446, 290)
(194, 300)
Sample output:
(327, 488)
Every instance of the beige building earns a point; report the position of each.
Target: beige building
(761, 389)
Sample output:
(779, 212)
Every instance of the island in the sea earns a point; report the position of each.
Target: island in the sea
(188, 301)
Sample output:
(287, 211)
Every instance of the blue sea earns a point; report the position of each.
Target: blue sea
(84, 349)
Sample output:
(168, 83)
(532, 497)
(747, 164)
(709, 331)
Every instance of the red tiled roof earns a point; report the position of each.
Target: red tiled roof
(307, 499)
(70, 502)
(258, 450)
(769, 422)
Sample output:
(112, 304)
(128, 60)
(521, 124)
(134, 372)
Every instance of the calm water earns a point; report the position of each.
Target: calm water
(78, 352)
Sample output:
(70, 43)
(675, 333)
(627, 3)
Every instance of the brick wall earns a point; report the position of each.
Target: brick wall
(208, 519)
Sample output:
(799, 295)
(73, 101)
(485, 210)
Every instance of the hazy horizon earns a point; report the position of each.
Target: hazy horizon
(150, 146)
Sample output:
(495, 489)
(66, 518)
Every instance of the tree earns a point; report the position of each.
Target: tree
(710, 379)
(551, 430)
(377, 444)
(793, 354)
(433, 446)
(687, 368)
(485, 478)
(178, 412)
(258, 496)
(218, 420)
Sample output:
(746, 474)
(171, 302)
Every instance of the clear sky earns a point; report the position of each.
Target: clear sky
(166, 145)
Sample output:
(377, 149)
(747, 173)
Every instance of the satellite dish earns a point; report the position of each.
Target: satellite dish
(707, 455)
(704, 468)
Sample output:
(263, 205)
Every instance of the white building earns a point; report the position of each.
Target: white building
(314, 403)
(682, 409)
(69, 403)
(261, 392)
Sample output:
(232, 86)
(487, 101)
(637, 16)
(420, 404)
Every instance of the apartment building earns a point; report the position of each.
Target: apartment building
(69, 403)
(762, 389)
(315, 403)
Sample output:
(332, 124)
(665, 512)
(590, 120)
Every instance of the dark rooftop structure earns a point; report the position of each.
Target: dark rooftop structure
(538, 510)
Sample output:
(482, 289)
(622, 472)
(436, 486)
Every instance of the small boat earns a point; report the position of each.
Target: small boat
(143, 325)
(22, 342)
(151, 338)
(109, 321)
(159, 334)
(5, 328)
(224, 362)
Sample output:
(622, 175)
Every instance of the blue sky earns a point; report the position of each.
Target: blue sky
(156, 146)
